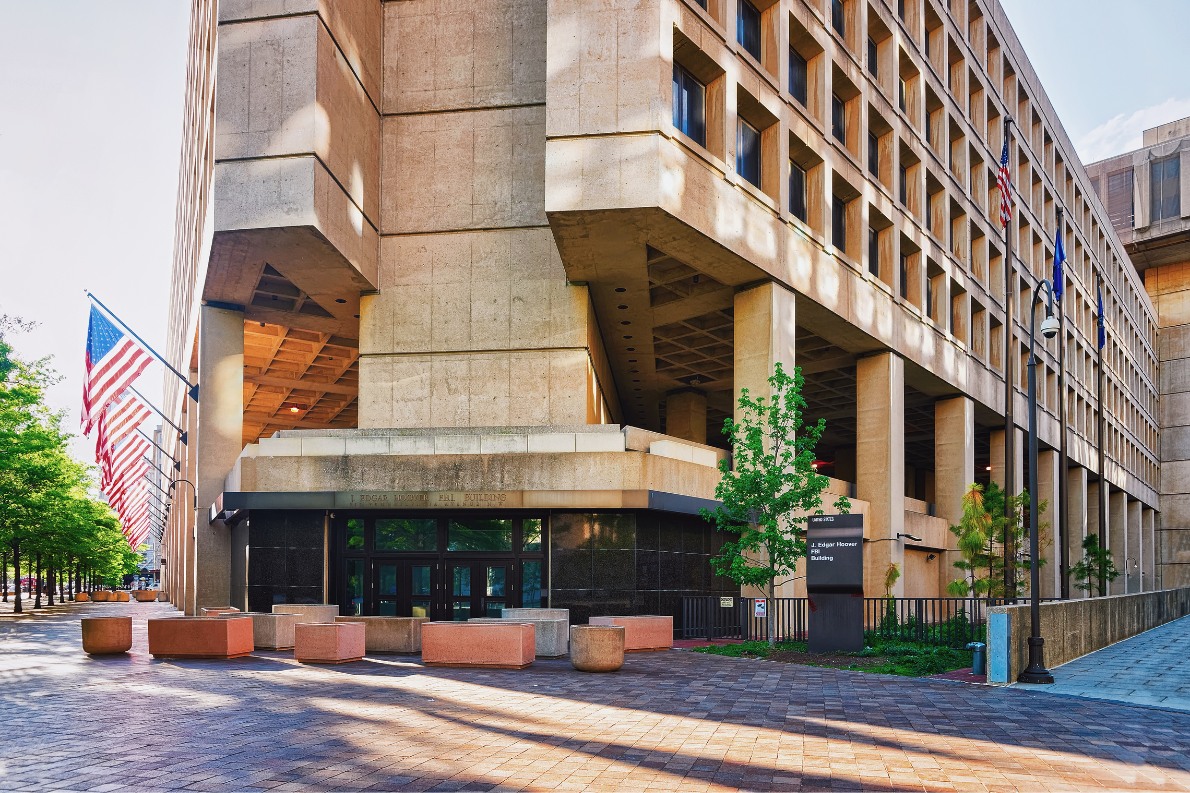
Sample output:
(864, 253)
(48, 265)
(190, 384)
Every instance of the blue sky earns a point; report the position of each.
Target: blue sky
(91, 97)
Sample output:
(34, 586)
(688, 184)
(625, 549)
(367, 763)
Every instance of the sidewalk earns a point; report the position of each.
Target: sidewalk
(1149, 669)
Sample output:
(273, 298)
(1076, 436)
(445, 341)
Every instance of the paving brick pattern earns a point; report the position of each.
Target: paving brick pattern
(668, 721)
(1150, 669)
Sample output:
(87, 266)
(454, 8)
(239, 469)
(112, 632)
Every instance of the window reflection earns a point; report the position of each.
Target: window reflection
(480, 534)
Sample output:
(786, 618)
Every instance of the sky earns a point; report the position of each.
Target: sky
(91, 99)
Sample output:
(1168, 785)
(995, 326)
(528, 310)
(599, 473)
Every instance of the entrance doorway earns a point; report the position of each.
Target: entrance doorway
(442, 568)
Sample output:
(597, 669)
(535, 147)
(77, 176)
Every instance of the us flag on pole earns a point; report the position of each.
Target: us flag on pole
(1004, 182)
(114, 359)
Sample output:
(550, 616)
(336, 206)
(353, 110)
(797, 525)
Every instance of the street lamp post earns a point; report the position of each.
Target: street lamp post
(1036, 672)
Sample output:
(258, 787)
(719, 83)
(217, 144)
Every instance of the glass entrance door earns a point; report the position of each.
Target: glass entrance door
(480, 588)
(405, 588)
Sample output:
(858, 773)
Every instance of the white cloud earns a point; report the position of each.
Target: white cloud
(1122, 133)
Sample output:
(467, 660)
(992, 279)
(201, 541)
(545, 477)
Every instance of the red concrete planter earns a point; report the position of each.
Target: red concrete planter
(103, 596)
(328, 642)
(499, 645)
(107, 635)
(82, 597)
(200, 637)
(642, 633)
(145, 595)
(121, 597)
(215, 611)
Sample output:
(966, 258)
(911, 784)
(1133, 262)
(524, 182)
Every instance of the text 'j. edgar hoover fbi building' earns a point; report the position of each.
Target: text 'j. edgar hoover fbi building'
(471, 287)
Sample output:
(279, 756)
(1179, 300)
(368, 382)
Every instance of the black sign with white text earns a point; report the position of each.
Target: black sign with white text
(835, 554)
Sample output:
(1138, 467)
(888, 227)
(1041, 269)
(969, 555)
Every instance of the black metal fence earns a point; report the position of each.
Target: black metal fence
(944, 621)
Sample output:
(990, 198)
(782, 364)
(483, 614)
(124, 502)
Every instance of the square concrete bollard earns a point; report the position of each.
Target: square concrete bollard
(390, 634)
(310, 612)
(107, 635)
(597, 648)
(642, 633)
(498, 644)
(269, 631)
(215, 611)
(552, 636)
(200, 637)
(328, 642)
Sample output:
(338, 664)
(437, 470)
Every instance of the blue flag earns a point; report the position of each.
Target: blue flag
(1059, 260)
(1099, 322)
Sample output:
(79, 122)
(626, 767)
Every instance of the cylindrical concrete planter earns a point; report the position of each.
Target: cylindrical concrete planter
(102, 596)
(597, 648)
(144, 595)
(121, 597)
(107, 635)
(82, 597)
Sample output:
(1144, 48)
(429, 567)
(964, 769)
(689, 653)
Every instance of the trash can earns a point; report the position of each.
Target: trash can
(979, 658)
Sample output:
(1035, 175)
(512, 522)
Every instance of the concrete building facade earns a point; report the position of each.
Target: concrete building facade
(470, 288)
(1147, 195)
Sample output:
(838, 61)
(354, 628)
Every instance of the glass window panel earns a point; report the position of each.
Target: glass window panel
(461, 582)
(406, 534)
(461, 612)
(838, 119)
(531, 534)
(839, 223)
(747, 161)
(420, 580)
(689, 98)
(355, 534)
(387, 608)
(798, 84)
(873, 63)
(1165, 178)
(874, 252)
(797, 192)
(748, 28)
(386, 585)
(355, 586)
(493, 608)
(496, 581)
(837, 19)
(531, 594)
(480, 534)
(873, 155)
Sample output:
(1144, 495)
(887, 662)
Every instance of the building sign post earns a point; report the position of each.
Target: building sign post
(835, 582)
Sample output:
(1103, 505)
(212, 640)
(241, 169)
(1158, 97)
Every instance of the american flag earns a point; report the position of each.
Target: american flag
(1004, 182)
(114, 359)
(122, 417)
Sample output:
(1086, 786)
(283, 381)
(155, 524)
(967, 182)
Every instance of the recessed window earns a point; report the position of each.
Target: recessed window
(874, 252)
(798, 71)
(900, 9)
(839, 223)
(747, 30)
(747, 157)
(873, 61)
(902, 93)
(838, 119)
(903, 276)
(1165, 175)
(873, 155)
(904, 186)
(690, 105)
(837, 20)
(797, 192)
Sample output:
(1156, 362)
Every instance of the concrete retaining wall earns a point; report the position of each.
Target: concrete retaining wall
(1074, 628)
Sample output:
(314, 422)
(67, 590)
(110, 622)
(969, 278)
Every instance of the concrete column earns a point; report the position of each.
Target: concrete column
(1047, 487)
(220, 439)
(1117, 533)
(686, 415)
(182, 496)
(764, 336)
(997, 462)
(954, 470)
(1078, 517)
(1148, 541)
(880, 465)
(1135, 547)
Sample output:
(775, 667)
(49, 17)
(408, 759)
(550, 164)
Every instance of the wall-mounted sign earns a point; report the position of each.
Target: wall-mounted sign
(429, 499)
(726, 602)
(760, 608)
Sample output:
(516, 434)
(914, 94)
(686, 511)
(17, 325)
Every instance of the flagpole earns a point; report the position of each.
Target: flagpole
(1009, 396)
(1063, 460)
(177, 465)
(193, 387)
(1101, 332)
(154, 408)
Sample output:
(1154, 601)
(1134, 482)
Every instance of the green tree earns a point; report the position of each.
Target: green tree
(1095, 566)
(982, 533)
(769, 487)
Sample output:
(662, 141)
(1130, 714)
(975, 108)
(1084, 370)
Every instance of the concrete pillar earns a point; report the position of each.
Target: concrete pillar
(1078, 517)
(1135, 549)
(880, 465)
(1117, 533)
(764, 336)
(220, 439)
(997, 461)
(686, 415)
(954, 471)
(182, 497)
(1047, 536)
(1148, 541)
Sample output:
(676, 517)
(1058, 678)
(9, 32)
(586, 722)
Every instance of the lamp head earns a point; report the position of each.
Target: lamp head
(1049, 326)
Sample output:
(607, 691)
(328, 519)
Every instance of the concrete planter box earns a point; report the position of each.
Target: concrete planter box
(499, 644)
(200, 637)
(163, 597)
(390, 634)
(107, 635)
(82, 597)
(102, 596)
(145, 595)
(552, 636)
(642, 633)
(597, 648)
(309, 612)
(269, 631)
(121, 597)
(328, 642)
(215, 611)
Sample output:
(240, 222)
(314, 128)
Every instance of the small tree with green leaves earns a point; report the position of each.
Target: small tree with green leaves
(1095, 566)
(982, 532)
(769, 487)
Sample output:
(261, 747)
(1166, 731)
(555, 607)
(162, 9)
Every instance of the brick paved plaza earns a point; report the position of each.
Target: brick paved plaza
(668, 721)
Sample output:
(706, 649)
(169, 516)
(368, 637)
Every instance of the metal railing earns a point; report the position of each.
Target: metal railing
(943, 621)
